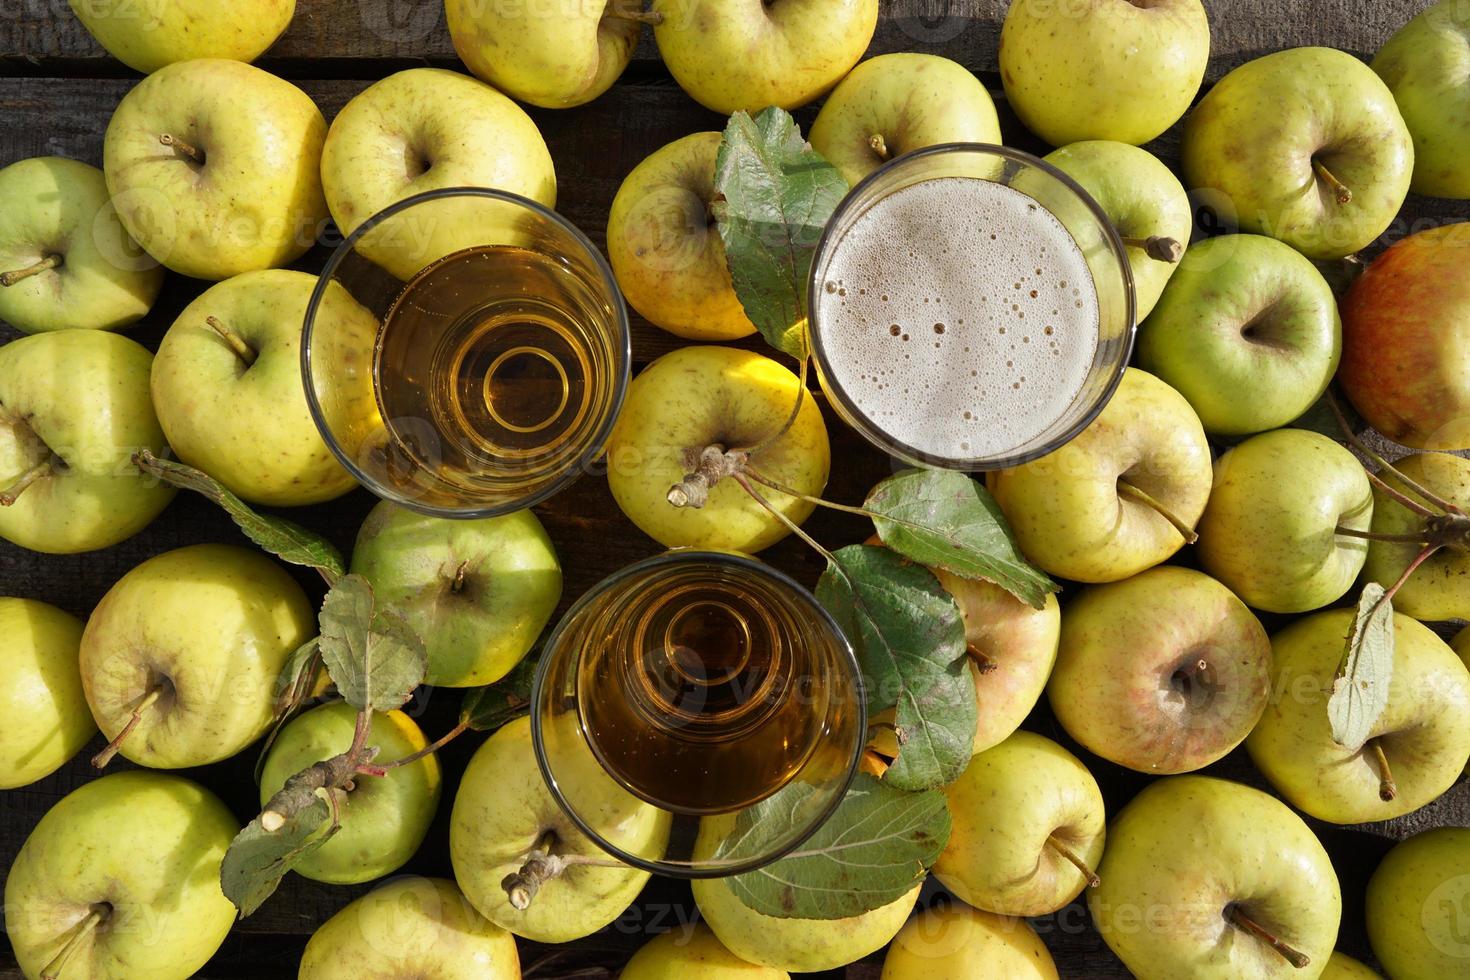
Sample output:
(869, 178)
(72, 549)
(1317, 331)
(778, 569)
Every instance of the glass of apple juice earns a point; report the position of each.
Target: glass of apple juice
(466, 352)
(971, 307)
(712, 688)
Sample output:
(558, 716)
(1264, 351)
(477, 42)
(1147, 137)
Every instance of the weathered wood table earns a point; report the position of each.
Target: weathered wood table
(57, 91)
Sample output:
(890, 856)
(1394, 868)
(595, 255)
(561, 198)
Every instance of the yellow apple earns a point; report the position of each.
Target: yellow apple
(148, 34)
(697, 956)
(958, 941)
(701, 396)
(46, 716)
(665, 250)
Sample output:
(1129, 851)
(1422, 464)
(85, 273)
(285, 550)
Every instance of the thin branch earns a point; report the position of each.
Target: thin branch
(801, 396)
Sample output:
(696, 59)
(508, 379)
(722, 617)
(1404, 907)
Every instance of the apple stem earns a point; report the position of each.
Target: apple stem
(1377, 459)
(186, 149)
(1092, 879)
(40, 471)
(48, 262)
(101, 759)
(1388, 789)
(413, 757)
(1134, 493)
(1239, 919)
(652, 17)
(879, 146)
(983, 663)
(1160, 248)
(1343, 192)
(458, 584)
(95, 917)
(237, 344)
(1352, 532)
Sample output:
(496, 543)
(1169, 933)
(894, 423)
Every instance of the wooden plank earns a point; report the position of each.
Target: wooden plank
(34, 33)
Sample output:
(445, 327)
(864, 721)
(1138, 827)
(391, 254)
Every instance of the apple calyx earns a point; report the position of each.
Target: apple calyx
(187, 150)
(49, 261)
(1388, 788)
(47, 467)
(237, 344)
(1236, 916)
(879, 146)
(1160, 248)
(1126, 489)
(1343, 193)
(99, 913)
(101, 759)
(706, 467)
(1092, 879)
(541, 866)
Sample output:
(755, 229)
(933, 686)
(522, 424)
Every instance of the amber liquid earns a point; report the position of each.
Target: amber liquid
(702, 690)
(491, 366)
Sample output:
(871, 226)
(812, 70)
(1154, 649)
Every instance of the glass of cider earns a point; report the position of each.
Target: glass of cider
(711, 687)
(466, 352)
(971, 307)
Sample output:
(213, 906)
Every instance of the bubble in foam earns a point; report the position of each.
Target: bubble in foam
(921, 247)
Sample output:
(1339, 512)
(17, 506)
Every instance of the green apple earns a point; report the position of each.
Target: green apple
(1247, 330)
(1144, 201)
(1199, 872)
(554, 57)
(1122, 70)
(153, 33)
(120, 880)
(227, 387)
(421, 130)
(1304, 145)
(1417, 905)
(1426, 66)
(1439, 588)
(1164, 672)
(749, 54)
(870, 118)
(215, 168)
(946, 941)
(1094, 510)
(478, 591)
(696, 397)
(797, 945)
(1270, 529)
(1023, 816)
(1012, 648)
(1344, 967)
(383, 819)
(41, 699)
(504, 811)
(1415, 751)
(65, 260)
(74, 407)
(665, 250)
(410, 927)
(697, 955)
(190, 644)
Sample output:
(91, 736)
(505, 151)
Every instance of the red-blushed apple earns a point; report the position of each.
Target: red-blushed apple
(1406, 340)
(1164, 672)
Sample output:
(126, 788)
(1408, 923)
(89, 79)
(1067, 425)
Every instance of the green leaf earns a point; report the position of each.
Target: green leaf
(285, 539)
(947, 520)
(257, 861)
(910, 643)
(373, 656)
(1360, 692)
(872, 851)
(485, 709)
(777, 196)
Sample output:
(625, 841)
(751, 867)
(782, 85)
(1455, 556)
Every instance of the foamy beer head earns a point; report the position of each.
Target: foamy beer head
(970, 322)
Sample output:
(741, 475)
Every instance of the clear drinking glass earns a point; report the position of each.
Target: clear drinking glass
(466, 352)
(712, 687)
(1100, 246)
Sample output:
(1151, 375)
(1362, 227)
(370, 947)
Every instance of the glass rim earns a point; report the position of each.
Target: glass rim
(868, 429)
(619, 387)
(676, 556)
